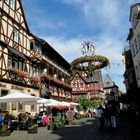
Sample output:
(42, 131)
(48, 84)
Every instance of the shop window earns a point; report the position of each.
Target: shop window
(14, 106)
(20, 107)
(33, 107)
(3, 106)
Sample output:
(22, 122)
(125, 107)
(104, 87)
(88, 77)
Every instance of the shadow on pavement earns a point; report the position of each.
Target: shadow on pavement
(89, 130)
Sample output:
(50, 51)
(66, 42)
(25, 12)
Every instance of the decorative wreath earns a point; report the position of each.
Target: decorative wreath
(94, 62)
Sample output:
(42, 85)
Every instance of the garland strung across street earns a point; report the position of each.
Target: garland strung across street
(89, 62)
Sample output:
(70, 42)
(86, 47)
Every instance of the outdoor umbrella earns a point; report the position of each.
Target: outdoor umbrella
(19, 97)
(53, 103)
(64, 104)
(43, 101)
(74, 104)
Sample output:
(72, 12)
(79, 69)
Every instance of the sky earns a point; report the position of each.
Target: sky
(66, 24)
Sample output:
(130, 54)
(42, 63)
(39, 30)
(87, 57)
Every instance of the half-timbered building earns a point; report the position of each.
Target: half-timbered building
(88, 86)
(28, 63)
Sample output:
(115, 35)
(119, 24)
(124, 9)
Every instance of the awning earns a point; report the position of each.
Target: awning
(19, 54)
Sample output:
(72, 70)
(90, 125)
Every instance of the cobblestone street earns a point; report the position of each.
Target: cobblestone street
(84, 129)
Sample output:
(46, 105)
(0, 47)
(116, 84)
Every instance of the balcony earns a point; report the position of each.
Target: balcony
(56, 81)
(35, 79)
(17, 72)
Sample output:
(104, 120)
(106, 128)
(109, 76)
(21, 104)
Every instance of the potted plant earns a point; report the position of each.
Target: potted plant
(4, 131)
(52, 125)
(33, 129)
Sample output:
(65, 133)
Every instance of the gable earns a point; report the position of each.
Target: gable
(108, 82)
(77, 78)
(14, 11)
(133, 9)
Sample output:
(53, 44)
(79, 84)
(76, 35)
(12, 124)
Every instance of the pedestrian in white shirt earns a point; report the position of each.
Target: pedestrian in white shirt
(100, 115)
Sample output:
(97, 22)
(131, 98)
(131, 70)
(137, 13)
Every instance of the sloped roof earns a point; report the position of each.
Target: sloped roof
(108, 82)
(89, 79)
(52, 54)
(24, 16)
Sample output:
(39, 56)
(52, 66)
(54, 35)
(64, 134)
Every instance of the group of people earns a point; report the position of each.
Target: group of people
(108, 116)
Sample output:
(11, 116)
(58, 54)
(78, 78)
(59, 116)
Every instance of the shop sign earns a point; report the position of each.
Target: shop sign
(17, 87)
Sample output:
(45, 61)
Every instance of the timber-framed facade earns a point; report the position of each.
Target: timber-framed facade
(28, 63)
(85, 85)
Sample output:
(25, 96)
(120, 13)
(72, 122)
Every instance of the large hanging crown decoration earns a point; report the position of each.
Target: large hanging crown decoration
(89, 62)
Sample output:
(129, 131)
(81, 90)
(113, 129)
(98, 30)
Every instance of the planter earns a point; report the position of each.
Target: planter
(52, 127)
(32, 131)
(5, 133)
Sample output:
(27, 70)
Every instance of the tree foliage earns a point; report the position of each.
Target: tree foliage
(87, 103)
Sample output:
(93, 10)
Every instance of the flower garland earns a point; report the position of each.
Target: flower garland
(101, 60)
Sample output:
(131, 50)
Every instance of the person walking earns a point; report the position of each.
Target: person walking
(113, 115)
(100, 115)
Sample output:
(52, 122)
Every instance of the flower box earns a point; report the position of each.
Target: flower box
(5, 133)
(35, 79)
(52, 126)
(32, 131)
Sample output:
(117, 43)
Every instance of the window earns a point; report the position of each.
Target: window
(136, 46)
(3, 106)
(9, 62)
(15, 63)
(16, 35)
(20, 107)
(12, 4)
(138, 39)
(33, 107)
(134, 20)
(21, 65)
(31, 46)
(14, 105)
(133, 50)
(137, 72)
(7, 2)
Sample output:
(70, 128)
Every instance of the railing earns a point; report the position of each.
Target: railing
(18, 72)
(58, 82)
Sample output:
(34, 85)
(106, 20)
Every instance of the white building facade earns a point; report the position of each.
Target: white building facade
(134, 38)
